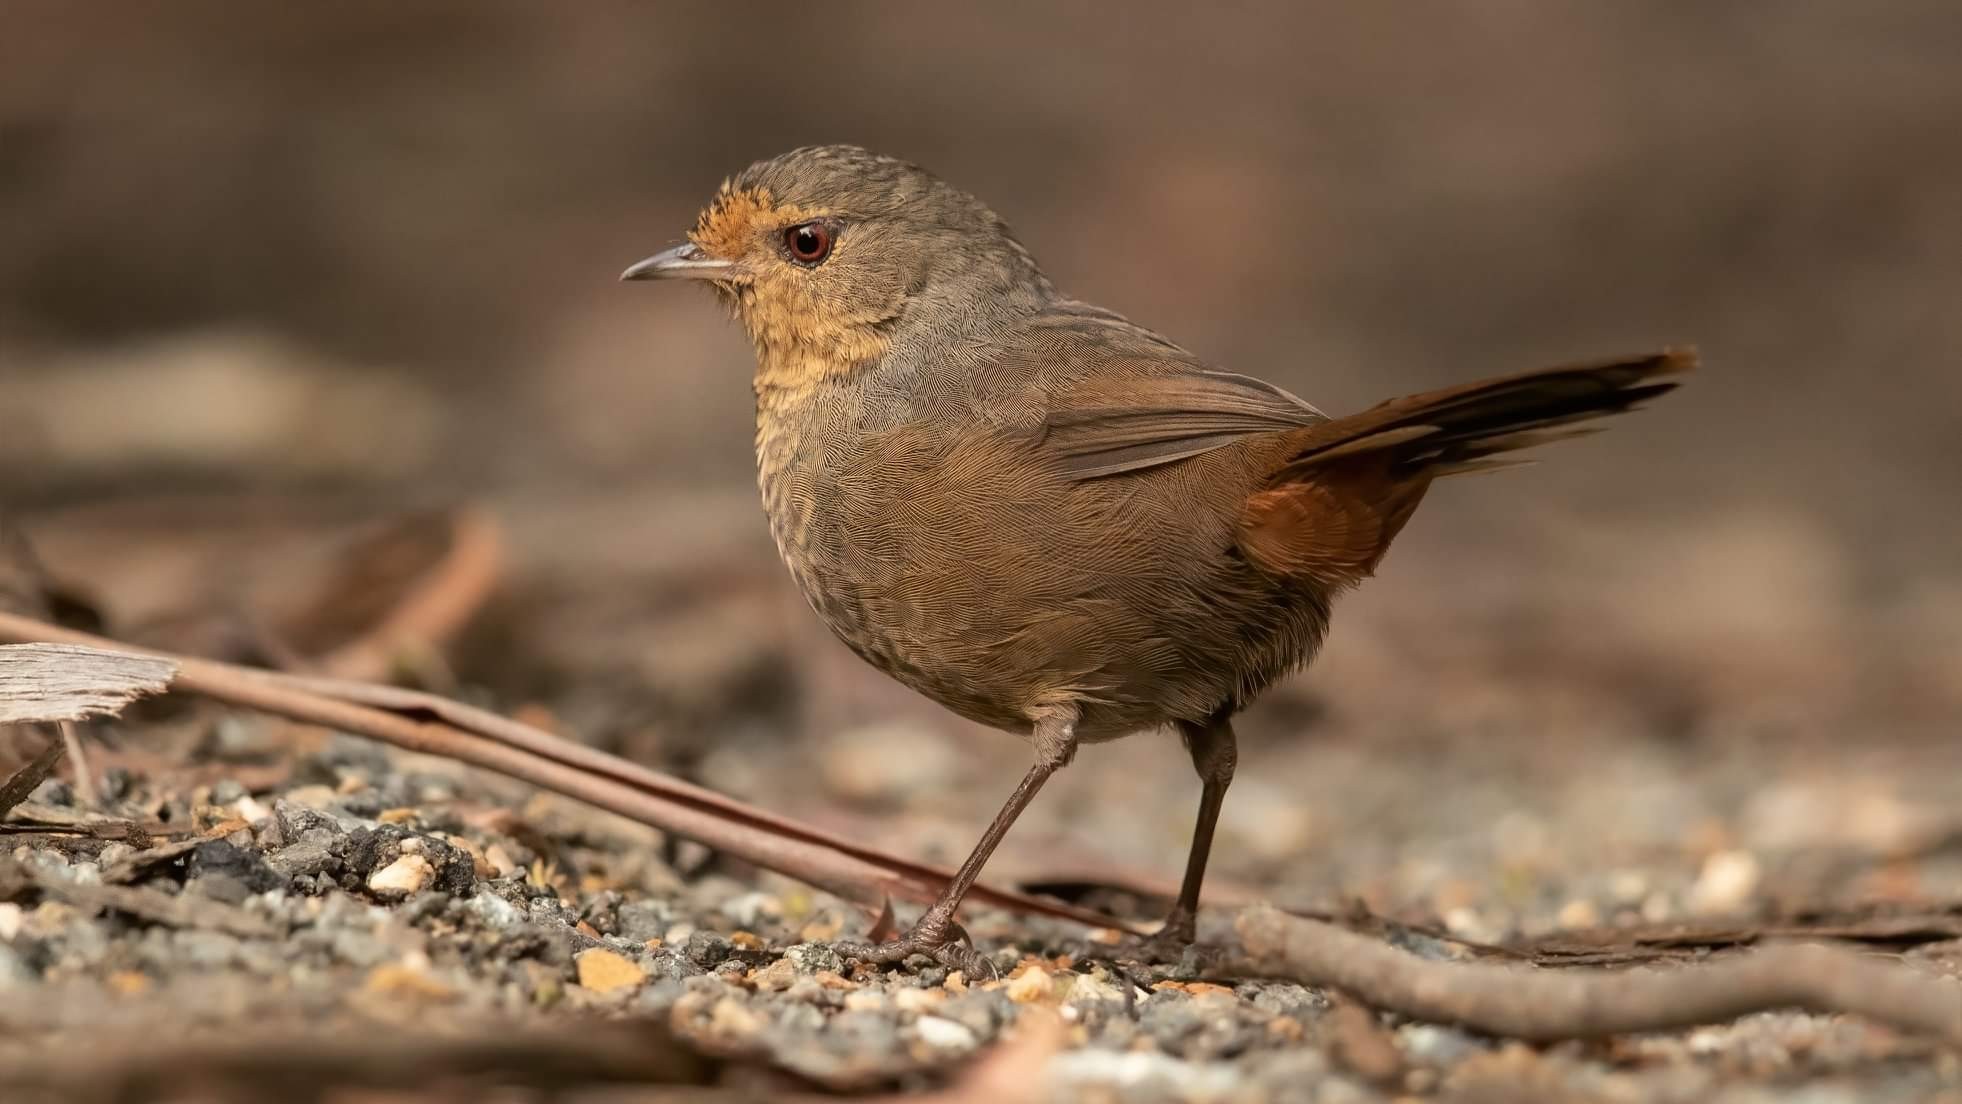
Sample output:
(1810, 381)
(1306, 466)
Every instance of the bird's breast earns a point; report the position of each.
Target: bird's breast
(802, 436)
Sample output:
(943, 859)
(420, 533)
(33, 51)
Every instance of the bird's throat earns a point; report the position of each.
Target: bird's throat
(793, 362)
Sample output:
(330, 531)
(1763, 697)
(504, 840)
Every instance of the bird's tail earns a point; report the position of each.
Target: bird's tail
(1330, 511)
(1458, 429)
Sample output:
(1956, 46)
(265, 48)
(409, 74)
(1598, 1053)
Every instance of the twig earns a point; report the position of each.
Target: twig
(1539, 1006)
(532, 755)
(22, 782)
(46, 682)
(437, 606)
(78, 761)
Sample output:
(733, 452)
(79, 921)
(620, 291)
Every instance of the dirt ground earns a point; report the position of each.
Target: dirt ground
(277, 291)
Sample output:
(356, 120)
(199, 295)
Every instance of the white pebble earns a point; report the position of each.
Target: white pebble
(1727, 882)
(944, 1034)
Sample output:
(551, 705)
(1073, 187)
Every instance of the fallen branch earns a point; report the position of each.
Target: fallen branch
(1538, 1006)
(45, 683)
(430, 725)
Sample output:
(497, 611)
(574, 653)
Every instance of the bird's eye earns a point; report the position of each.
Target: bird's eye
(809, 243)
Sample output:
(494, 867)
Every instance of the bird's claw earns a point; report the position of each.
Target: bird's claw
(949, 948)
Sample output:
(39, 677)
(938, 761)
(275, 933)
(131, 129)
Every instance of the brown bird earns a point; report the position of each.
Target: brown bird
(1042, 516)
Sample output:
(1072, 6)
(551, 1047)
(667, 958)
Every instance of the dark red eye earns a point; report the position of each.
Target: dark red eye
(809, 242)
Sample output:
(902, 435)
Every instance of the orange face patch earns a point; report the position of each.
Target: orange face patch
(732, 224)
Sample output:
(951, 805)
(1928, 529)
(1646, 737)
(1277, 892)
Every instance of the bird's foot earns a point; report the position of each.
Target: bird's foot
(1172, 944)
(946, 943)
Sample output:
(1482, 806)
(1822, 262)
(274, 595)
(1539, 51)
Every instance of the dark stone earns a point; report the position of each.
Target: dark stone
(641, 921)
(670, 966)
(296, 821)
(456, 871)
(602, 911)
(222, 858)
(219, 887)
(370, 849)
(315, 851)
(706, 949)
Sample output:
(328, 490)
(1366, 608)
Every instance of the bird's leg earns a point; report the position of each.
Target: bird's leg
(936, 935)
(1214, 754)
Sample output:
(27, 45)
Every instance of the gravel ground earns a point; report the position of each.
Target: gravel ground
(340, 884)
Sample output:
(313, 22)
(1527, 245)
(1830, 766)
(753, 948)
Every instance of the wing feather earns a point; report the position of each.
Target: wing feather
(1135, 415)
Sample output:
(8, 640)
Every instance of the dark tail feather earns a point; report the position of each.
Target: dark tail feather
(1457, 429)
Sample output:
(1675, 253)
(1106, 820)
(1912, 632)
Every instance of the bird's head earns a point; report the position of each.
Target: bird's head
(830, 255)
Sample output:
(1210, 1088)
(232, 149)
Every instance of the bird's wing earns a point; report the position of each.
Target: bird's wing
(1125, 399)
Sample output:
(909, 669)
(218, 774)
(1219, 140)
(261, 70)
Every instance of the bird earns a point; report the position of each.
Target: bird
(1044, 517)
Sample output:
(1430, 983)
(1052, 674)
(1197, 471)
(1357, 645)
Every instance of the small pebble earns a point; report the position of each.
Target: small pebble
(918, 1000)
(409, 874)
(494, 911)
(501, 863)
(1085, 989)
(1031, 987)
(1726, 883)
(776, 977)
(866, 1000)
(945, 1034)
(605, 971)
(812, 958)
(731, 1018)
(1579, 914)
(408, 981)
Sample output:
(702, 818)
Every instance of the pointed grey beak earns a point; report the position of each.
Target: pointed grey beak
(681, 262)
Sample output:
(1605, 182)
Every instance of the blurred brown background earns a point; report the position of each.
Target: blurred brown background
(366, 253)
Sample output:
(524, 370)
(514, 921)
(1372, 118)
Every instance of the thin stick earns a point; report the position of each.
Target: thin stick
(1540, 1006)
(22, 782)
(78, 761)
(435, 608)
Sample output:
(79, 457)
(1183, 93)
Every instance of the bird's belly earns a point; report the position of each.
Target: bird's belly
(862, 583)
(992, 607)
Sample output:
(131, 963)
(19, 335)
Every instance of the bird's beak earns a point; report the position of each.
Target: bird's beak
(683, 262)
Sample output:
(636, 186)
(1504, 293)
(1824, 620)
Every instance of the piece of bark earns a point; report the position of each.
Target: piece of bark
(1547, 1006)
(46, 683)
